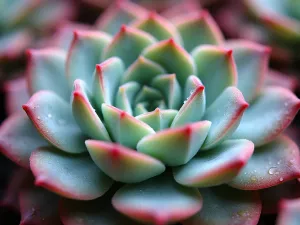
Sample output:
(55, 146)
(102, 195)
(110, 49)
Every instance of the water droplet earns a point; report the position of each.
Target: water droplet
(279, 162)
(272, 170)
(253, 178)
(38, 118)
(49, 115)
(281, 179)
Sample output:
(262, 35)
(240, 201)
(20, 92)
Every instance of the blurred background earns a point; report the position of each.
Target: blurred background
(38, 23)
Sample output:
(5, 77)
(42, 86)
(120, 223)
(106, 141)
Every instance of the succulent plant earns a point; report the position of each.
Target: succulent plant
(281, 19)
(160, 121)
(22, 21)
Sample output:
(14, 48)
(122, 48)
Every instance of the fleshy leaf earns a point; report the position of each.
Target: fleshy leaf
(53, 118)
(173, 58)
(217, 166)
(271, 113)
(84, 53)
(193, 108)
(38, 206)
(270, 165)
(107, 78)
(94, 212)
(225, 114)
(170, 88)
(271, 196)
(227, 206)
(198, 28)
(128, 44)
(221, 72)
(175, 146)
(146, 202)
(18, 138)
(142, 71)
(289, 212)
(125, 96)
(275, 78)
(123, 164)
(123, 128)
(191, 84)
(46, 71)
(251, 62)
(158, 119)
(71, 176)
(16, 94)
(119, 13)
(85, 115)
(140, 108)
(148, 94)
(158, 27)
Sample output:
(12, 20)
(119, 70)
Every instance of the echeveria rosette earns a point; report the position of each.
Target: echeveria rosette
(280, 18)
(183, 128)
(23, 21)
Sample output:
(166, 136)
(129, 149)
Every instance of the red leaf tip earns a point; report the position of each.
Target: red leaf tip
(229, 53)
(152, 15)
(203, 14)
(122, 114)
(188, 130)
(123, 28)
(157, 110)
(40, 181)
(171, 42)
(99, 68)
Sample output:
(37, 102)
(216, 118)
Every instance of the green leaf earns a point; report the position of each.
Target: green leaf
(251, 62)
(84, 53)
(175, 146)
(159, 200)
(270, 165)
(216, 69)
(18, 138)
(53, 118)
(198, 28)
(123, 164)
(123, 128)
(119, 13)
(158, 27)
(225, 114)
(38, 206)
(227, 206)
(217, 166)
(140, 108)
(85, 115)
(107, 77)
(128, 44)
(170, 88)
(268, 116)
(158, 119)
(193, 108)
(125, 96)
(94, 212)
(148, 94)
(142, 71)
(173, 58)
(68, 175)
(46, 71)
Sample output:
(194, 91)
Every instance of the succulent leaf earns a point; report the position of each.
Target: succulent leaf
(289, 212)
(58, 172)
(175, 146)
(128, 44)
(107, 77)
(169, 203)
(173, 58)
(84, 54)
(269, 115)
(226, 206)
(123, 164)
(46, 71)
(85, 115)
(148, 94)
(221, 72)
(18, 138)
(198, 28)
(158, 119)
(123, 128)
(270, 165)
(143, 66)
(53, 118)
(251, 62)
(217, 166)
(225, 114)
(158, 27)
